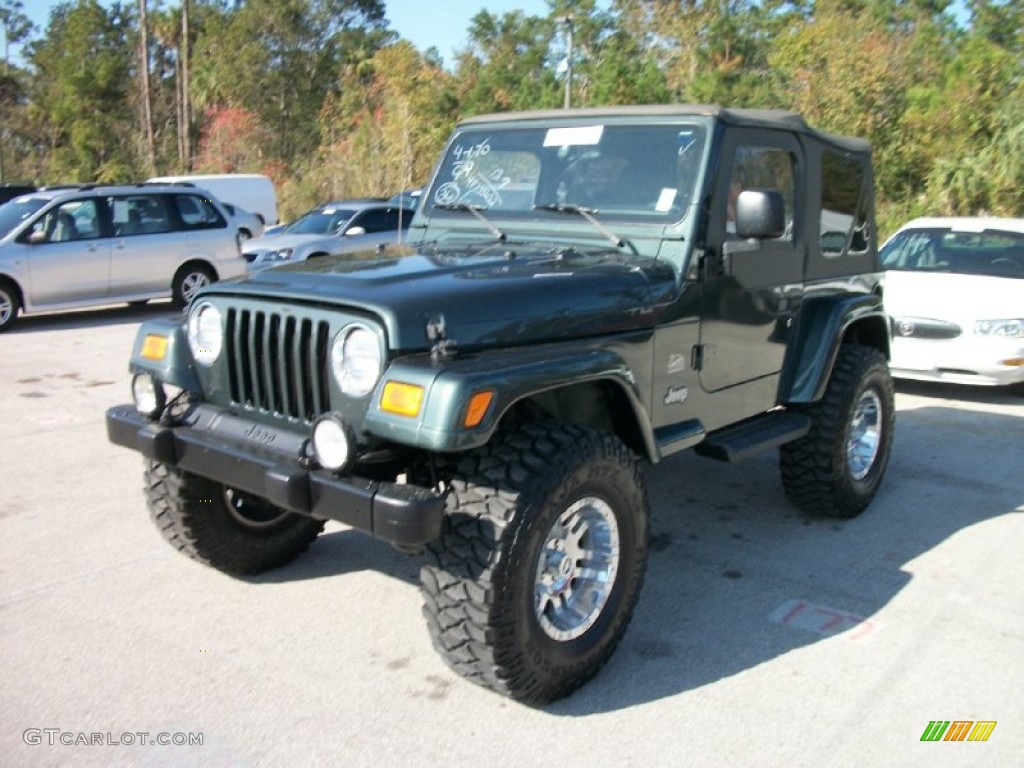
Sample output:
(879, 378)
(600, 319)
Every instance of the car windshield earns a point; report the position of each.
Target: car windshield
(321, 221)
(987, 252)
(643, 173)
(15, 211)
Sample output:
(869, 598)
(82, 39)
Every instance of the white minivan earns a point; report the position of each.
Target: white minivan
(252, 192)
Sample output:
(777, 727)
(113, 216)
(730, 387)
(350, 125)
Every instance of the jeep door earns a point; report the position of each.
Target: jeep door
(751, 287)
(68, 259)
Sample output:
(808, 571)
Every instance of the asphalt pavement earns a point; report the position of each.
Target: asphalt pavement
(762, 637)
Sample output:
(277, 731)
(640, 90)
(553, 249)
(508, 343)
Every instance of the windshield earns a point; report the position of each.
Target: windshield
(15, 211)
(989, 252)
(645, 173)
(321, 221)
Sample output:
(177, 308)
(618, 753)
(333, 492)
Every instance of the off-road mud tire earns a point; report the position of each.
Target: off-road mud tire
(479, 587)
(192, 514)
(816, 471)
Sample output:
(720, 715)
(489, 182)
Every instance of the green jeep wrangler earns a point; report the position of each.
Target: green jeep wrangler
(583, 291)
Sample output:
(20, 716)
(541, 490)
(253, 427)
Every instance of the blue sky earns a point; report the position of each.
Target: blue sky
(426, 23)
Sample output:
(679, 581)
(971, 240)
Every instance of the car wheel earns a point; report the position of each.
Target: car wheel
(9, 305)
(218, 526)
(188, 281)
(535, 577)
(835, 469)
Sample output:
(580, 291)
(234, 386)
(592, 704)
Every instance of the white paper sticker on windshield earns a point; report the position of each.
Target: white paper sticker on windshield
(665, 200)
(583, 135)
(328, 211)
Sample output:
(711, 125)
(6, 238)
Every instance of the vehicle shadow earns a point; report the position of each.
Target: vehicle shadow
(114, 314)
(730, 557)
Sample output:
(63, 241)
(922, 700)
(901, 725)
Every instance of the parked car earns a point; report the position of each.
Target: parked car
(410, 198)
(954, 290)
(339, 227)
(90, 245)
(248, 224)
(251, 191)
(11, 191)
(490, 393)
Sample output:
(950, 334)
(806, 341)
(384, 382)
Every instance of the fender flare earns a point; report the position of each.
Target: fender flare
(512, 376)
(823, 325)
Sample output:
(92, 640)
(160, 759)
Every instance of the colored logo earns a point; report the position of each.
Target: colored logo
(958, 730)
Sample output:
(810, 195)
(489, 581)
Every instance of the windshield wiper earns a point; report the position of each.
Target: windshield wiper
(476, 211)
(588, 214)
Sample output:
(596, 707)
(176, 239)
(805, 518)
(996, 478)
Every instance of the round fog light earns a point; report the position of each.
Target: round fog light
(148, 395)
(331, 444)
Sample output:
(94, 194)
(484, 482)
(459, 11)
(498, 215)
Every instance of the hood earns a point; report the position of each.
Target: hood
(287, 240)
(954, 297)
(485, 295)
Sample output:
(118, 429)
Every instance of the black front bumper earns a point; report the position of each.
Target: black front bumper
(222, 447)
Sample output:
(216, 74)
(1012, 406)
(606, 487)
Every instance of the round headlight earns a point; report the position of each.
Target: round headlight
(205, 333)
(356, 361)
(149, 395)
(331, 445)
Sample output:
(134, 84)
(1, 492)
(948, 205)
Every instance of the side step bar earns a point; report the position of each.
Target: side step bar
(743, 440)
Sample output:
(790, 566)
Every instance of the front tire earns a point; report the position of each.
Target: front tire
(228, 530)
(541, 561)
(835, 469)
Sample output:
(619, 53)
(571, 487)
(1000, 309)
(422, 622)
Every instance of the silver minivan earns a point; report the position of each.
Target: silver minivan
(66, 248)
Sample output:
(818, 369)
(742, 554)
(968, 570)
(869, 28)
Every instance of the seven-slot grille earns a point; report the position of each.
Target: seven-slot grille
(278, 363)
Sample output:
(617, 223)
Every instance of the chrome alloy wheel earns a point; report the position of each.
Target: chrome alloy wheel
(191, 284)
(864, 436)
(576, 569)
(6, 307)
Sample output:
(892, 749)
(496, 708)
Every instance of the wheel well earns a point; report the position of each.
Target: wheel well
(13, 284)
(601, 405)
(869, 332)
(197, 263)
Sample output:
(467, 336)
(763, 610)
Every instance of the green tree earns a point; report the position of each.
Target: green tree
(15, 28)
(977, 162)
(280, 58)
(507, 64)
(385, 125)
(610, 66)
(85, 111)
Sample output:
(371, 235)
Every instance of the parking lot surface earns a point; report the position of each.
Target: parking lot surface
(762, 637)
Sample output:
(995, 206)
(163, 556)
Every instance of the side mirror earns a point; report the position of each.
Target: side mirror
(353, 231)
(760, 214)
(37, 237)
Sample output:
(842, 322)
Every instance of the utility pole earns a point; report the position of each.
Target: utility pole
(567, 20)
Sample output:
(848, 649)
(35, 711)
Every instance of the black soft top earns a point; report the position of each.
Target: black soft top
(778, 119)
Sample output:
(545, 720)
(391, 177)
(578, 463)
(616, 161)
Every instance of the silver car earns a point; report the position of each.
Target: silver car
(91, 245)
(333, 228)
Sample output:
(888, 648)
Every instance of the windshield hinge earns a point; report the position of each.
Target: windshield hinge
(697, 357)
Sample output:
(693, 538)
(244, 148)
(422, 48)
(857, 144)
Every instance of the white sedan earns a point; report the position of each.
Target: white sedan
(954, 290)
